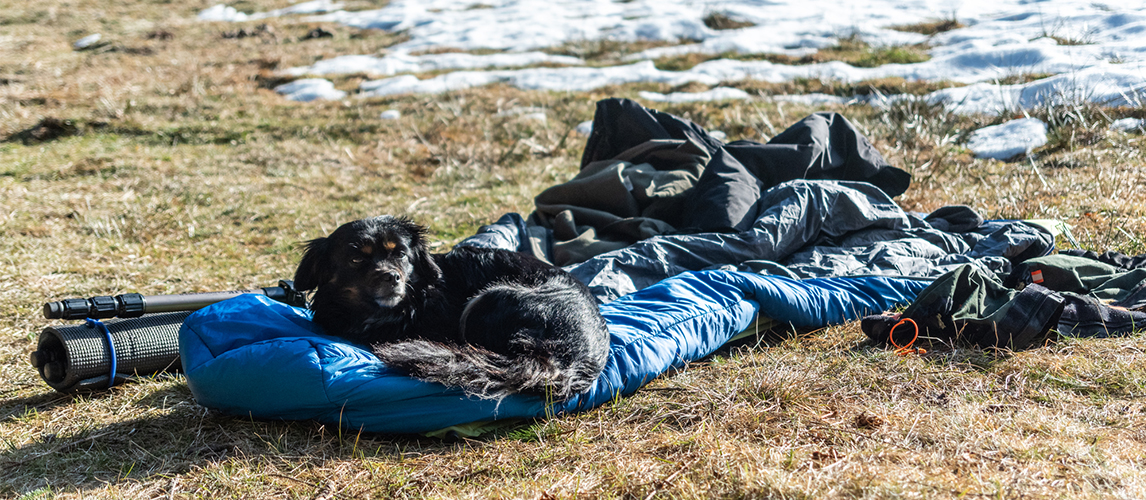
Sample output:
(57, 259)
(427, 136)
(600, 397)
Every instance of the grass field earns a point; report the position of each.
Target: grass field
(162, 163)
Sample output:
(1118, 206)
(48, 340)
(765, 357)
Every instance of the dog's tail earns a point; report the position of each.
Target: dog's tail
(478, 371)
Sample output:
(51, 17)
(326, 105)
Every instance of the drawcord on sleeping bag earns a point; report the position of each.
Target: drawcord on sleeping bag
(906, 348)
(94, 323)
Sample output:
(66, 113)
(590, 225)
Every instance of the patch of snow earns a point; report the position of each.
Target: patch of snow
(781, 26)
(529, 24)
(1110, 85)
(583, 79)
(791, 27)
(1093, 31)
(559, 79)
(311, 7)
(1128, 124)
(390, 114)
(1008, 140)
(518, 111)
(220, 12)
(976, 64)
(87, 41)
(716, 94)
(526, 114)
(410, 84)
(227, 13)
(310, 89)
(814, 99)
(538, 118)
(1112, 80)
(585, 128)
(393, 64)
(1001, 39)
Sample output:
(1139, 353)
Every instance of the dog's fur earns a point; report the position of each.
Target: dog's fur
(493, 322)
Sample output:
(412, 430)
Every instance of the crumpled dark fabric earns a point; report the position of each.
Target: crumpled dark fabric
(822, 146)
(815, 229)
(1061, 294)
(1102, 300)
(969, 306)
(1116, 259)
(646, 173)
(657, 196)
(1083, 276)
(1085, 316)
(615, 202)
(807, 229)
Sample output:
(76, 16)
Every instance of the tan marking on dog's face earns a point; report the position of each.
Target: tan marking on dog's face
(366, 250)
(389, 245)
(350, 292)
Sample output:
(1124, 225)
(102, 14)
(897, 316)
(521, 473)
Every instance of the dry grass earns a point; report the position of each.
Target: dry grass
(722, 21)
(931, 27)
(185, 173)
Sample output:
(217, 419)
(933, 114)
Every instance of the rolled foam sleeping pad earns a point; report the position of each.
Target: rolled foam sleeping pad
(77, 358)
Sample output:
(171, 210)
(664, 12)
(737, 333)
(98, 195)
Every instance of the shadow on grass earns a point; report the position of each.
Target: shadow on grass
(48, 129)
(937, 352)
(132, 449)
(164, 434)
(20, 407)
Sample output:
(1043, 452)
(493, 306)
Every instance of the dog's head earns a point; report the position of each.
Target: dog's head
(369, 262)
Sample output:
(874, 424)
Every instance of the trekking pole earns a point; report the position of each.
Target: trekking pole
(142, 339)
(133, 305)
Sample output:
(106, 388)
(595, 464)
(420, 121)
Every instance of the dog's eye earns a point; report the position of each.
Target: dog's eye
(399, 253)
(357, 260)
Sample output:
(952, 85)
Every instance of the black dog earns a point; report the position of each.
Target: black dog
(492, 322)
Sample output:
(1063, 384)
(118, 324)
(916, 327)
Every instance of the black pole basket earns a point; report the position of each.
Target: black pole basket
(77, 358)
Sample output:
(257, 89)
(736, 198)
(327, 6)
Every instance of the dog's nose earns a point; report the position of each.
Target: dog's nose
(389, 276)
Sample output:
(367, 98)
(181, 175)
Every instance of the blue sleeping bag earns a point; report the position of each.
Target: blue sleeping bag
(253, 356)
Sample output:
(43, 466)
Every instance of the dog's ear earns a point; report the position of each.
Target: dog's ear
(424, 266)
(314, 269)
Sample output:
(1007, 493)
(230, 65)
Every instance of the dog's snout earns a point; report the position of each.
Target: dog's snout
(387, 285)
(389, 276)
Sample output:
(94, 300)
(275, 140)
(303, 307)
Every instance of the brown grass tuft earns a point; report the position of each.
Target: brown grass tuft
(931, 27)
(721, 21)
